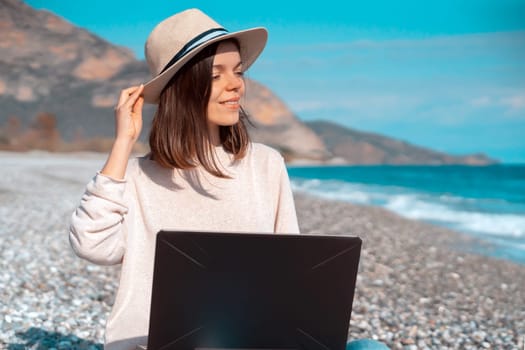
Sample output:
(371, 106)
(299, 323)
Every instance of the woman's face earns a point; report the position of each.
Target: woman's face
(227, 87)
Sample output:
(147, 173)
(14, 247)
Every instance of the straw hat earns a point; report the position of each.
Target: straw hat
(174, 41)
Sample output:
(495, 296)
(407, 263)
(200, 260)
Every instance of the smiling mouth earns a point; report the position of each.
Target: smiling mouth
(232, 100)
(231, 104)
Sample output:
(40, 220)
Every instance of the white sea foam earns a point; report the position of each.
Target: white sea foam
(444, 209)
(414, 207)
(334, 190)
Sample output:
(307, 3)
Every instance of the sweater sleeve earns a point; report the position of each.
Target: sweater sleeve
(96, 232)
(286, 218)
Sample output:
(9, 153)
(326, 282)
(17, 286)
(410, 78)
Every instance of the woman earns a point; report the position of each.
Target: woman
(202, 172)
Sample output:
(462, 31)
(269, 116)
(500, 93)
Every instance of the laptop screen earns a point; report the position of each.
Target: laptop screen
(252, 291)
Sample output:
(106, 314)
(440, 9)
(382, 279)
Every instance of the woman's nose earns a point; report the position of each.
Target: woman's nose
(234, 82)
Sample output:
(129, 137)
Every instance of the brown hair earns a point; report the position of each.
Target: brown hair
(179, 136)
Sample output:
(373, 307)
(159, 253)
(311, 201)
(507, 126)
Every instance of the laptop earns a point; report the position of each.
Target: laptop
(252, 291)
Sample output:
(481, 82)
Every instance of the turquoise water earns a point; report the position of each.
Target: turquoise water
(486, 201)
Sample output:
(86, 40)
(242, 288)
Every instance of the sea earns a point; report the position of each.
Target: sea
(487, 202)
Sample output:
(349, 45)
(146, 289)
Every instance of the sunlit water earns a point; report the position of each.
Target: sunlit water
(487, 202)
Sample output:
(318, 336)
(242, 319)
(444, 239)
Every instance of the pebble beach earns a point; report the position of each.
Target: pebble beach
(419, 286)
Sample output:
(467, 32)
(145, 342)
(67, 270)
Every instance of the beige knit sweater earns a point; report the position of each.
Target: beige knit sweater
(117, 220)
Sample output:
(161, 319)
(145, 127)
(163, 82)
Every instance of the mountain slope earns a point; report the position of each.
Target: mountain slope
(49, 65)
(356, 147)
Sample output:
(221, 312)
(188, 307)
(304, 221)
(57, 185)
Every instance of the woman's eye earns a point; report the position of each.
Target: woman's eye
(215, 76)
(239, 73)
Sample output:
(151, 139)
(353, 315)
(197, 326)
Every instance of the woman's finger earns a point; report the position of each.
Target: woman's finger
(137, 107)
(126, 93)
(134, 96)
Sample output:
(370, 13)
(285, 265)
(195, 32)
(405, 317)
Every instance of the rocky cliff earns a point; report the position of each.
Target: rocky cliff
(49, 65)
(356, 147)
(65, 80)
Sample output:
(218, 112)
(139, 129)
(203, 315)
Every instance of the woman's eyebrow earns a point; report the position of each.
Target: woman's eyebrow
(222, 66)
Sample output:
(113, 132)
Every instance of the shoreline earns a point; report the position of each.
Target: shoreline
(489, 208)
(450, 235)
(417, 287)
(472, 244)
(419, 282)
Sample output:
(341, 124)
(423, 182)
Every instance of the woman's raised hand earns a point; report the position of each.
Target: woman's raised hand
(128, 120)
(128, 114)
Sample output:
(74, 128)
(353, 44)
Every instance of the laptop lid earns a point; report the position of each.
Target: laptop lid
(239, 290)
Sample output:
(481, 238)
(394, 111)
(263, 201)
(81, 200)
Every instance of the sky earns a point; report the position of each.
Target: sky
(443, 74)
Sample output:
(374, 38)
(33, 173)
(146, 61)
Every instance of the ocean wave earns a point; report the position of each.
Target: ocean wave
(413, 207)
(336, 190)
(463, 214)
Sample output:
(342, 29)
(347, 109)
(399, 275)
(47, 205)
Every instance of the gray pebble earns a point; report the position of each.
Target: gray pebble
(415, 288)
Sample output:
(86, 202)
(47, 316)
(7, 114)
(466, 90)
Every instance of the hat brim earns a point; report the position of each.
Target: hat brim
(251, 42)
